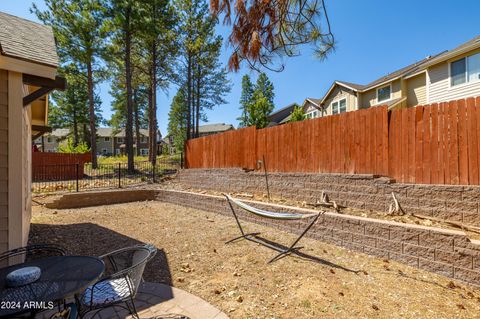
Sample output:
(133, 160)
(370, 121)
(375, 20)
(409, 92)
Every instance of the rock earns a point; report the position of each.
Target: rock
(217, 291)
(375, 307)
(239, 299)
(181, 279)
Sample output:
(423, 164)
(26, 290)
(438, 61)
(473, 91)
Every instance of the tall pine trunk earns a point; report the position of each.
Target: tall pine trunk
(152, 114)
(75, 128)
(91, 109)
(128, 83)
(137, 121)
(197, 124)
(189, 96)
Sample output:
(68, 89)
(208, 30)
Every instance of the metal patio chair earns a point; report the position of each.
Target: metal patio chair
(120, 282)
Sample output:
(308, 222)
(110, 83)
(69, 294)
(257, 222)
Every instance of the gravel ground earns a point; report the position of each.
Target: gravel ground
(328, 282)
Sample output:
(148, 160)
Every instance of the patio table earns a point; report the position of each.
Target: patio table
(61, 277)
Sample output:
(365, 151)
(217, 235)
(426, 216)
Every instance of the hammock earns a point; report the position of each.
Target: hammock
(267, 214)
(271, 215)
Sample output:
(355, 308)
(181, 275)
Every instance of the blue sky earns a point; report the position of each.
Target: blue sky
(374, 38)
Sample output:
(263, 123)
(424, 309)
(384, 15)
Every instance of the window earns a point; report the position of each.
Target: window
(384, 93)
(120, 139)
(343, 106)
(49, 140)
(339, 106)
(144, 151)
(465, 70)
(104, 151)
(106, 139)
(117, 151)
(312, 115)
(143, 139)
(335, 108)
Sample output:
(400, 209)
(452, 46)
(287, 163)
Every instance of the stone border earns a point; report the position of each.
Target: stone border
(446, 252)
(449, 202)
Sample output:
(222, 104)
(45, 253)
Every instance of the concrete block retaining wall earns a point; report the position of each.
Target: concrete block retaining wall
(455, 203)
(445, 252)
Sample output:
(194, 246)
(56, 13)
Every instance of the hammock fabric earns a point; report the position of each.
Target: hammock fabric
(268, 214)
(271, 215)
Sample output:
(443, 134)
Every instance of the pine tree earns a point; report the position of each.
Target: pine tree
(297, 114)
(245, 99)
(262, 102)
(177, 120)
(80, 31)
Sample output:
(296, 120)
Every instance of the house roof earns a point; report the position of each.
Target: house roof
(213, 128)
(411, 69)
(59, 132)
(280, 115)
(26, 40)
(121, 133)
(350, 85)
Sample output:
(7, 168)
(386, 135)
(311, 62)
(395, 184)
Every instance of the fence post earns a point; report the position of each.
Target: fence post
(153, 172)
(119, 176)
(181, 160)
(77, 175)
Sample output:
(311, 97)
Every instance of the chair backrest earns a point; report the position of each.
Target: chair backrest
(29, 253)
(129, 262)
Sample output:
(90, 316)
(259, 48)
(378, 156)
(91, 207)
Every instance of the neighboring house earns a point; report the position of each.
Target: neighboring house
(105, 141)
(281, 116)
(446, 76)
(50, 142)
(109, 143)
(119, 142)
(312, 108)
(28, 72)
(210, 129)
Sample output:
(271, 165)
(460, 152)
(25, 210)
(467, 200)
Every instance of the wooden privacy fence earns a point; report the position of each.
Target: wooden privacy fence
(354, 142)
(51, 166)
(436, 144)
(432, 144)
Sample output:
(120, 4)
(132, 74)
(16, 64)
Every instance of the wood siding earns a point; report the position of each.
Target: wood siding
(336, 95)
(416, 90)
(3, 160)
(369, 98)
(439, 89)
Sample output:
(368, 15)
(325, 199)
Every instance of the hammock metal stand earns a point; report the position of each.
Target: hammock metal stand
(282, 216)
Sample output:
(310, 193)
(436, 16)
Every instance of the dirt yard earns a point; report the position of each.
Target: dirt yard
(328, 282)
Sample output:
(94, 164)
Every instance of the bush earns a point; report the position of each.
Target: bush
(70, 148)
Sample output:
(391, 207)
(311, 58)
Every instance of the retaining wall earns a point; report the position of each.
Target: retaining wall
(455, 203)
(445, 252)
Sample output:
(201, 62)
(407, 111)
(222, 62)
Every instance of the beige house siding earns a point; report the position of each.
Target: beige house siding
(19, 163)
(309, 107)
(105, 145)
(369, 98)
(3, 160)
(439, 83)
(338, 94)
(416, 90)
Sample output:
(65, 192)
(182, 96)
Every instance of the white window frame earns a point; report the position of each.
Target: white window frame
(467, 77)
(381, 87)
(117, 151)
(104, 151)
(106, 139)
(120, 140)
(144, 151)
(338, 100)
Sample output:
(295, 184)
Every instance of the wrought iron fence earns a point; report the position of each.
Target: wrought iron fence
(80, 177)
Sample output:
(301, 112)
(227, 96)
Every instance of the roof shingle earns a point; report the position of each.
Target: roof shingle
(26, 40)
